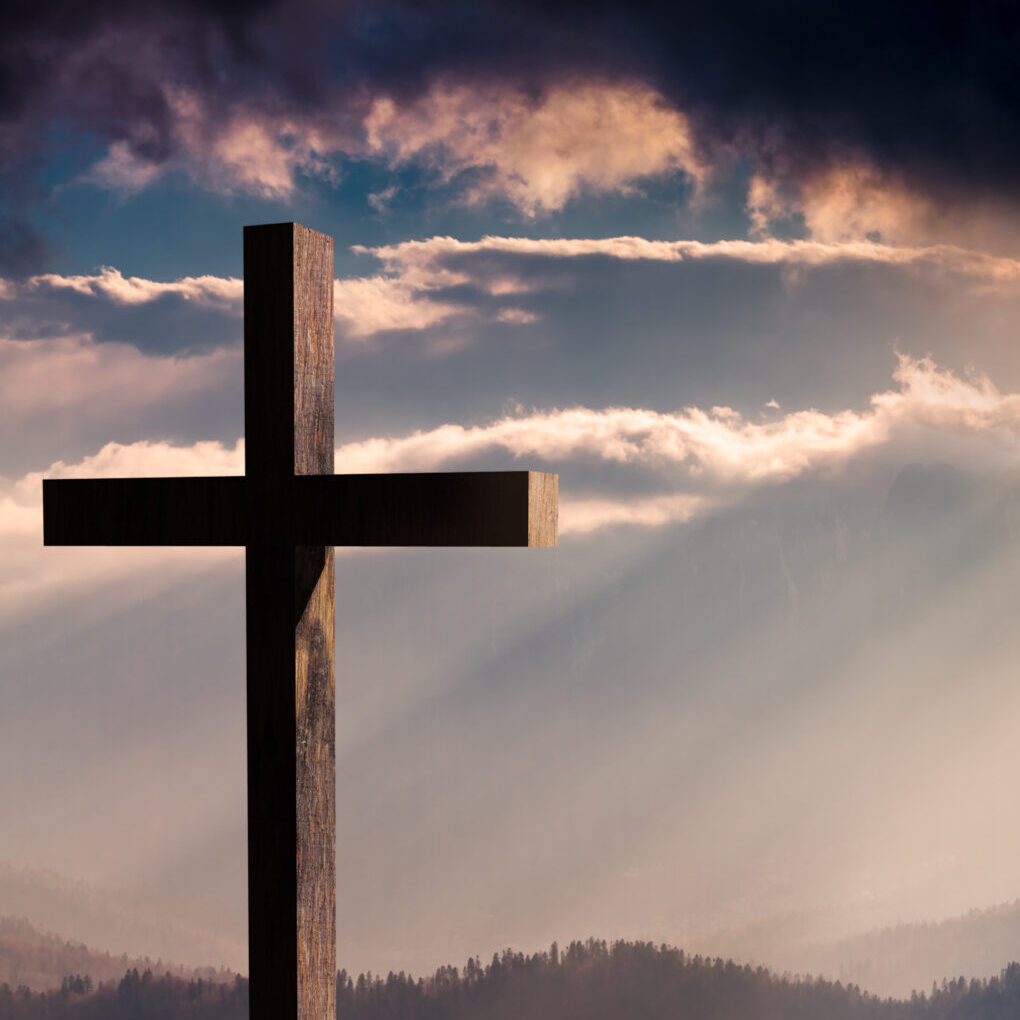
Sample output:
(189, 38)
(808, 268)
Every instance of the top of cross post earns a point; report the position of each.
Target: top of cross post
(288, 351)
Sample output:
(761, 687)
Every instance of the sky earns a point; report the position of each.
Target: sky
(747, 276)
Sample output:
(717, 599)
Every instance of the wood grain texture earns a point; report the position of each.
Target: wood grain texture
(291, 701)
(272, 783)
(313, 352)
(470, 508)
(543, 509)
(315, 710)
(314, 680)
(458, 508)
(145, 511)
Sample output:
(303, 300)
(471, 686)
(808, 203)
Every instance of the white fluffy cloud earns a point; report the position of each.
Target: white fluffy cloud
(158, 459)
(252, 151)
(537, 153)
(411, 292)
(689, 463)
(581, 516)
(406, 295)
(372, 304)
(853, 200)
(694, 461)
(31, 573)
(210, 291)
(426, 264)
(101, 381)
(712, 457)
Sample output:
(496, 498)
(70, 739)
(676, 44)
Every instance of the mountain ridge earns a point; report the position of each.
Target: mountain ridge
(591, 980)
(32, 957)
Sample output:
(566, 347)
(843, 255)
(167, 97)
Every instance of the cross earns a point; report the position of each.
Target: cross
(289, 510)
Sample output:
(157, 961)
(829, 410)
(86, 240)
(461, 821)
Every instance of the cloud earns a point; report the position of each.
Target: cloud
(516, 315)
(69, 394)
(157, 458)
(675, 466)
(445, 261)
(842, 203)
(100, 305)
(537, 152)
(852, 200)
(373, 304)
(248, 150)
(48, 376)
(424, 283)
(529, 95)
(711, 457)
(398, 298)
(22, 249)
(31, 573)
(431, 283)
(123, 170)
(188, 315)
(210, 291)
(581, 516)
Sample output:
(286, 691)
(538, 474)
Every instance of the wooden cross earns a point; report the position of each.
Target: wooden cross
(289, 510)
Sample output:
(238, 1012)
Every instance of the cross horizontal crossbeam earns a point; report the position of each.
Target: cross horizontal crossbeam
(469, 508)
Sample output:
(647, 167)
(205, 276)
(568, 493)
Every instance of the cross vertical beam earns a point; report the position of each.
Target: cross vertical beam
(288, 396)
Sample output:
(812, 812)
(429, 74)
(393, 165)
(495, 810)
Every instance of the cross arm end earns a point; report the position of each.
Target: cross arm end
(543, 509)
(466, 508)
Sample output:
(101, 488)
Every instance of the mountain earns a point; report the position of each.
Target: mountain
(589, 981)
(136, 996)
(33, 958)
(892, 960)
(122, 923)
(595, 980)
(896, 960)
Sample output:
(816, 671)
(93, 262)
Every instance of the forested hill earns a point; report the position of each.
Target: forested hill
(894, 960)
(641, 981)
(589, 981)
(38, 960)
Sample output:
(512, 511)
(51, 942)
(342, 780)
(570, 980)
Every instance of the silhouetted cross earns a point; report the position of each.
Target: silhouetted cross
(289, 510)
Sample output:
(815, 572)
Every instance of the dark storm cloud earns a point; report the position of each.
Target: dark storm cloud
(929, 90)
(928, 94)
(22, 250)
(103, 66)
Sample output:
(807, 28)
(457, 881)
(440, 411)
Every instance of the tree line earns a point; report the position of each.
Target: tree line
(623, 980)
(40, 960)
(136, 996)
(589, 980)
